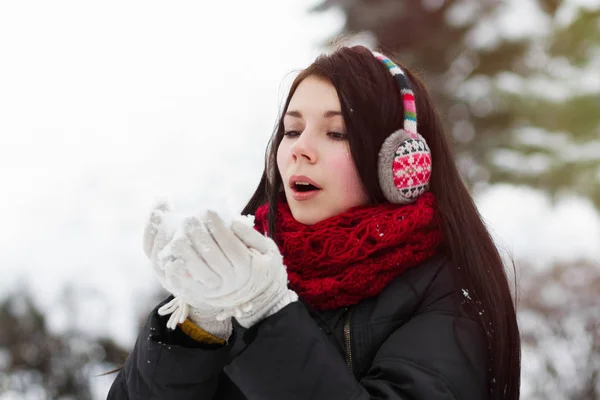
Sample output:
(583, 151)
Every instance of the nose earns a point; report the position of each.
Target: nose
(304, 149)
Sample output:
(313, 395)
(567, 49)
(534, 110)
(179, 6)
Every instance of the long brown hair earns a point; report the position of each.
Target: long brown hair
(372, 109)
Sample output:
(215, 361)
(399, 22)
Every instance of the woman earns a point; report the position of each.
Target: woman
(370, 274)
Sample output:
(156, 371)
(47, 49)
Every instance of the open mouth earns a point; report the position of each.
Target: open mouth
(304, 187)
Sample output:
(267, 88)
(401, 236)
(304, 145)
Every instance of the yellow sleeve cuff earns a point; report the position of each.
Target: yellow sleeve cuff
(199, 335)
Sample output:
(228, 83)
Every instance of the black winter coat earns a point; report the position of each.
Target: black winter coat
(405, 343)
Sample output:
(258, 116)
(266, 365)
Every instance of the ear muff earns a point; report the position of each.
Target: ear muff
(404, 167)
(404, 161)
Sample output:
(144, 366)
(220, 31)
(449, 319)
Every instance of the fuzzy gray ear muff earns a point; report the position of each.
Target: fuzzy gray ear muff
(404, 164)
(404, 167)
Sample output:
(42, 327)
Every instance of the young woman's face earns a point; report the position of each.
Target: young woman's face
(318, 173)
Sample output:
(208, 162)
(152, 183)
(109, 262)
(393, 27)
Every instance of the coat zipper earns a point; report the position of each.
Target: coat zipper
(348, 341)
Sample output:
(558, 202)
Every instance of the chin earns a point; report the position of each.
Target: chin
(307, 217)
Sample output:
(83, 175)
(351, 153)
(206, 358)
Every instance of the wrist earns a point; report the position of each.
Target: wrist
(276, 303)
(198, 334)
(209, 324)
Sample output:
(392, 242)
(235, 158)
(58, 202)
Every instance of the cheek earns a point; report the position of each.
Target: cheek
(282, 151)
(346, 174)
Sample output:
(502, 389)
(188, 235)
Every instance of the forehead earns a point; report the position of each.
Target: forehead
(314, 94)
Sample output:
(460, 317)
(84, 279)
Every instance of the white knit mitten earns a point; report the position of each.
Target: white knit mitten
(163, 239)
(203, 317)
(242, 271)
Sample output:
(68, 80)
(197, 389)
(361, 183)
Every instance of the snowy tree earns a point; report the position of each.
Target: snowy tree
(516, 82)
(41, 364)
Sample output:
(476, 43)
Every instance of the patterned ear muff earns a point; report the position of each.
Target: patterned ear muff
(404, 159)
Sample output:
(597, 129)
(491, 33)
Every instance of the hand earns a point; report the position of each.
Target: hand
(205, 317)
(162, 231)
(157, 234)
(242, 272)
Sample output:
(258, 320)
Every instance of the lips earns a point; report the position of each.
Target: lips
(303, 188)
(302, 180)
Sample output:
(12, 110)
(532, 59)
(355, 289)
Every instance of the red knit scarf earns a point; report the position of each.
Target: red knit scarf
(354, 255)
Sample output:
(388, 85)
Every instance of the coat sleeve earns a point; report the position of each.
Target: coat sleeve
(291, 358)
(167, 364)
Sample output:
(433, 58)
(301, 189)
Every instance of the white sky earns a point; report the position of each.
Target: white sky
(106, 105)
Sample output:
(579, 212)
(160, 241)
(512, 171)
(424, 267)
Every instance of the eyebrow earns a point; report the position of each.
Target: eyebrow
(328, 114)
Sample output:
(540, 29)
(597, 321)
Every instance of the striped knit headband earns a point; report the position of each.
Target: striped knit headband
(408, 96)
(404, 163)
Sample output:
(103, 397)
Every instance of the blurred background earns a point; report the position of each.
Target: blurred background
(105, 106)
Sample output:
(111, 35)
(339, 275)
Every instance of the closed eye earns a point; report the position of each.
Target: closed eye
(291, 133)
(337, 135)
(332, 134)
